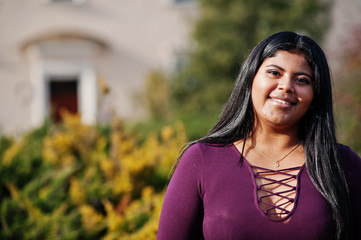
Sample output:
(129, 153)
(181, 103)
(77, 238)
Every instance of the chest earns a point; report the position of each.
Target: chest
(232, 209)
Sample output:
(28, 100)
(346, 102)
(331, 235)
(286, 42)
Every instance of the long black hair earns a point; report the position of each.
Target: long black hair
(317, 128)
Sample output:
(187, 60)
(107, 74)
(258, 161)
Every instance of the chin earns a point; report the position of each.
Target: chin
(283, 123)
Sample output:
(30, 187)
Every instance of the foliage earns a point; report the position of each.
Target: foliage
(348, 85)
(224, 34)
(156, 95)
(72, 181)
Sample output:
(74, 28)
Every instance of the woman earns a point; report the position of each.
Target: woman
(271, 167)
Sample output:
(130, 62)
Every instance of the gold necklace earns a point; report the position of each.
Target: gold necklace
(277, 162)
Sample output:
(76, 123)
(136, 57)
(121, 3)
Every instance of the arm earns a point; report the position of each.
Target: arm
(182, 212)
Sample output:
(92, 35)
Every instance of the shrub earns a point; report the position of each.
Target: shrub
(73, 181)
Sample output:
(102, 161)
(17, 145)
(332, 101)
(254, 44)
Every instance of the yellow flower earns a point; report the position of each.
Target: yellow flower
(122, 184)
(11, 152)
(147, 194)
(167, 133)
(107, 167)
(76, 190)
(90, 218)
(67, 160)
(114, 220)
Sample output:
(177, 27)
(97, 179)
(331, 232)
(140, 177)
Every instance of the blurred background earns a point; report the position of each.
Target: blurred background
(98, 97)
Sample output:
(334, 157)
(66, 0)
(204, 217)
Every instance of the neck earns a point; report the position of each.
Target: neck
(280, 138)
(272, 148)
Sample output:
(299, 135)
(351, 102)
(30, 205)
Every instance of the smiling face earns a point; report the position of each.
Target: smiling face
(282, 90)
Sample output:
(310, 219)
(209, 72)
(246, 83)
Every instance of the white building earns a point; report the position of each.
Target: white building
(60, 53)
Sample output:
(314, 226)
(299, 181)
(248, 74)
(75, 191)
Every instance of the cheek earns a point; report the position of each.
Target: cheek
(257, 95)
(307, 97)
(261, 88)
(309, 94)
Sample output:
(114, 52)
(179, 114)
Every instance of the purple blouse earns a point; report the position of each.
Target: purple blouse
(213, 195)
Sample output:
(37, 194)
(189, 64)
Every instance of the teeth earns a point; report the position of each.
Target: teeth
(281, 101)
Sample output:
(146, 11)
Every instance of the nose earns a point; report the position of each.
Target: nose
(286, 84)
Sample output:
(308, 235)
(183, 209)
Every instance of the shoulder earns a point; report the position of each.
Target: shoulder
(208, 150)
(210, 155)
(351, 161)
(349, 157)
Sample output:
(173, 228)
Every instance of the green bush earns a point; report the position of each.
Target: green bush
(72, 181)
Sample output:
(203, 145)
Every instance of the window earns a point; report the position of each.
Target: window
(63, 95)
(63, 75)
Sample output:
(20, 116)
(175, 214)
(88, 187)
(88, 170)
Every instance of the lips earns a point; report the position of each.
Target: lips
(282, 101)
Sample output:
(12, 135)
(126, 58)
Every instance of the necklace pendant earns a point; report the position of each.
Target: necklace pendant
(276, 164)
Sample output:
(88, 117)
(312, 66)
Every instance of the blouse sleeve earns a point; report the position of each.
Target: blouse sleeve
(182, 212)
(353, 174)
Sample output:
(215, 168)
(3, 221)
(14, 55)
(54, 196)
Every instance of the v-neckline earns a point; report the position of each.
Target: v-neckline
(297, 177)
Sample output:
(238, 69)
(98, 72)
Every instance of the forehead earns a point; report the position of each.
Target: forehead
(293, 60)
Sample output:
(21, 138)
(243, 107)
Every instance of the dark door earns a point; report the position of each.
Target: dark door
(63, 95)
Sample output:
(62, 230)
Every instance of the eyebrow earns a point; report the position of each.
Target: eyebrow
(296, 73)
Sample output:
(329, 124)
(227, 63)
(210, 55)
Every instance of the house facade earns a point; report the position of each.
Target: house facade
(67, 53)
(58, 54)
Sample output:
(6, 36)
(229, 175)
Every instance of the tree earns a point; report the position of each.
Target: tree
(348, 93)
(224, 35)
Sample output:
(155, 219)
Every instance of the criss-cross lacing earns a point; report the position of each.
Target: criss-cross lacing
(285, 190)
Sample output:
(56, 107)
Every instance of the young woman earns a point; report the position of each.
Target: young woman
(271, 167)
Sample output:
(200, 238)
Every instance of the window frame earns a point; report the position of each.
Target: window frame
(66, 59)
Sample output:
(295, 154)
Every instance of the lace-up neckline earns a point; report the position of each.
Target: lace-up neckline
(276, 191)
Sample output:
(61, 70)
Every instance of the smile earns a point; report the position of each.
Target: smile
(281, 102)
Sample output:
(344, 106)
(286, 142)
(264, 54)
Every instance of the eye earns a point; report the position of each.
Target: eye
(302, 80)
(274, 72)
